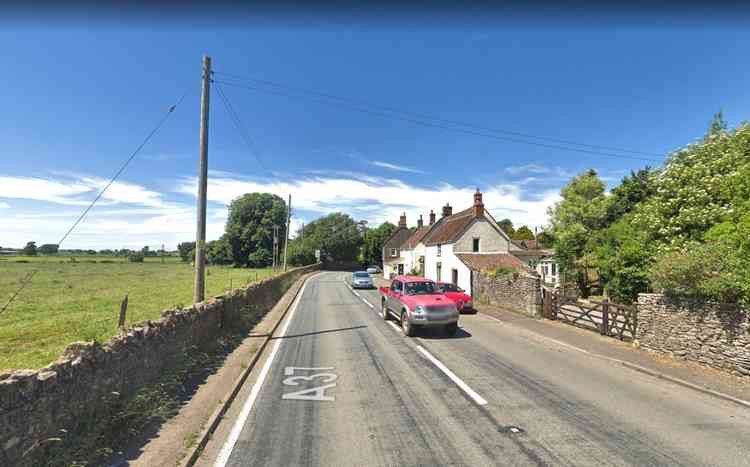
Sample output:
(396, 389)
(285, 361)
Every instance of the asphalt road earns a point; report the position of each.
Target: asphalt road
(491, 395)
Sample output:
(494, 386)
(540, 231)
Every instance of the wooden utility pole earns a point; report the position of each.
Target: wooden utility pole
(200, 235)
(288, 221)
(275, 246)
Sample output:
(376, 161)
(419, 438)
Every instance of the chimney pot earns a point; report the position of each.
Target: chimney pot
(402, 220)
(420, 222)
(478, 204)
(447, 210)
(432, 217)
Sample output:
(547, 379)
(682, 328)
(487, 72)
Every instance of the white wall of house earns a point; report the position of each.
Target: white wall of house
(448, 262)
(490, 240)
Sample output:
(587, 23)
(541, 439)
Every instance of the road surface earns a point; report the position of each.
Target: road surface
(344, 387)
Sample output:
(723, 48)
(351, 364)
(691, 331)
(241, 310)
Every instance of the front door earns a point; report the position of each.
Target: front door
(401, 269)
(454, 276)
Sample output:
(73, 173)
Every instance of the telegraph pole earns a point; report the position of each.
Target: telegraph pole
(200, 235)
(275, 245)
(288, 221)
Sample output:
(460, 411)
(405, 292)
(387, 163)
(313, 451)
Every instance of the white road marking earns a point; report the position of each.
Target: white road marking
(234, 435)
(311, 394)
(459, 382)
(360, 296)
(394, 326)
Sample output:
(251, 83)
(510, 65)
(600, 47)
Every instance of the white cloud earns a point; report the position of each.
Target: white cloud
(386, 199)
(398, 168)
(539, 169)
(4, 205)
(77, 190)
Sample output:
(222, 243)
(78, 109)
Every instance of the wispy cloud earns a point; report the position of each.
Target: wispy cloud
(4, 205)
(539, 170)
(398, 168)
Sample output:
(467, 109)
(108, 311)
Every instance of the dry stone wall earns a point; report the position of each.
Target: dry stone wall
(89, 379)
(518, 290)
(711, 334)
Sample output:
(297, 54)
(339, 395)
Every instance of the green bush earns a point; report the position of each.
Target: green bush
(710, 271)
(136, 257)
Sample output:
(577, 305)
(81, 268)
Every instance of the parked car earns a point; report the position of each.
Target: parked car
(361, 280)
(463, 301)
(374, 270)
(417, 302)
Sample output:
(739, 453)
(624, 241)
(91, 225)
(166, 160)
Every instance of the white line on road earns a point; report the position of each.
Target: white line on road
(393, 325)
(360, 296)
(465, 387)
(234, 435)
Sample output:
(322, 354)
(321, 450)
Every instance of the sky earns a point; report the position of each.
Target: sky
(82, 94)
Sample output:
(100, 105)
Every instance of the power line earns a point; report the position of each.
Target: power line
(434, 118)
(98, 196)
(238, 125)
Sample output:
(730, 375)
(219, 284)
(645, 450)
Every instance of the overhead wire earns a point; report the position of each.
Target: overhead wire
(117, 174)
(429, 120)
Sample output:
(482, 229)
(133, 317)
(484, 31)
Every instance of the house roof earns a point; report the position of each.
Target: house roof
(415, 238)
(396, 240)
(486, 261)
(448, 229)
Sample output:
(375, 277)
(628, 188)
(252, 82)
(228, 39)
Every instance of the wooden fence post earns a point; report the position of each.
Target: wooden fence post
(605, 317)
(123, 310)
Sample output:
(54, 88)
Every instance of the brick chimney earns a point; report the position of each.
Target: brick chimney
(432, 217)
(402, 220)
(420, 222)
(447, 210)
(478, 204)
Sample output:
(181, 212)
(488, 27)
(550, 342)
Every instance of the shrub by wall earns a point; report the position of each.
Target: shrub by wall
(65, 400)
(707, 333)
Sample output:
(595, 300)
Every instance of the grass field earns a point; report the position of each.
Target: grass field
(72, 301)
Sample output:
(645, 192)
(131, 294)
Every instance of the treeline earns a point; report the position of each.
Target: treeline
(682, 229)
(31, 249)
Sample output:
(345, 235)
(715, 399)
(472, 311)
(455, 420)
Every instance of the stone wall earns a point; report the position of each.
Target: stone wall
(518, 291)
(710, 334)
(65, 398)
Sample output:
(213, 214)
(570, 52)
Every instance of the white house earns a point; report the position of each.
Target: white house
(467, 241)
(542, 261)
(394, 261)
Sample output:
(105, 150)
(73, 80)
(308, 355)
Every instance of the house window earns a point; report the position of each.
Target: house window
(401, 269)
(454, 276)
(554, 269)
(475, 246)
(439, 250)
(394, 252)
(439, 270)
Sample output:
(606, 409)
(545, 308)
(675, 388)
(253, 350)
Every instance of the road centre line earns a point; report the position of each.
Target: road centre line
(239, 424)
(459, 382)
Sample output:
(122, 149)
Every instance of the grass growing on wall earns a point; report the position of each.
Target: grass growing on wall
(80, 301)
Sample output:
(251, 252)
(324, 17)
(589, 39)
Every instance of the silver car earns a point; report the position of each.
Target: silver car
(361, 280)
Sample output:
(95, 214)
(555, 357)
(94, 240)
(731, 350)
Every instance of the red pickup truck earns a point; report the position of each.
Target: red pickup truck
(418, 302)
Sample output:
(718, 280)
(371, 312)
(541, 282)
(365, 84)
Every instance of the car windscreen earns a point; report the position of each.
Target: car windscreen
(421, 288)
(361, 274)
(450, 288)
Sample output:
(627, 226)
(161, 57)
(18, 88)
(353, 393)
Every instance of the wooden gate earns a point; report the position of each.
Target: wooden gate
(609, 319)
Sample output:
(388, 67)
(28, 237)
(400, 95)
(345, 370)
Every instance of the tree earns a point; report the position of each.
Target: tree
(575, 219)
(634, 189)
(337, 236)
(136, 257)
(219, 251)
(717, 126)
(249, 228)
(29, 249)
(49, 249)
(523, 233)
(507, 226)
(373, 241)
(184, 249)
(545, 239)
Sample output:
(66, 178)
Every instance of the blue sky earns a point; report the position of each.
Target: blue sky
(78, 100)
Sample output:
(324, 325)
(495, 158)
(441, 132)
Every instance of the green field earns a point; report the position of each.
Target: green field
(73, 301)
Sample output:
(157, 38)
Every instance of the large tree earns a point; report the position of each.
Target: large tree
(372, 247)
(29, 249)
(575, 219)
(337, 236)
(507, 226)
(249, 228)
(186, 249)
(48, 249)
(523, 233)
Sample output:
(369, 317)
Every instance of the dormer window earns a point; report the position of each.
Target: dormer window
(475, 245)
